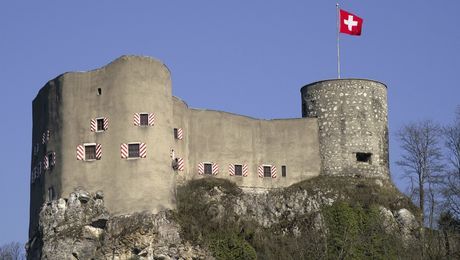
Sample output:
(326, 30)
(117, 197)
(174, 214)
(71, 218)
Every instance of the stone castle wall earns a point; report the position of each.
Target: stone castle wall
(341, 120)
(353, 126)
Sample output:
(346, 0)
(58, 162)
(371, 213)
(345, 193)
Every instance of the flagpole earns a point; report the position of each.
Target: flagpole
(338, 40)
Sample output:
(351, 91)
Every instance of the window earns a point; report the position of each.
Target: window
(364, 157)
(90, 152)
(176, 133)
(51, 194)
(267, 171)
(133, 150)
(283, 171)
(208, 168)
(144, 119)
(100, 124)
(99, 91)
(238, 170)
(51, 161)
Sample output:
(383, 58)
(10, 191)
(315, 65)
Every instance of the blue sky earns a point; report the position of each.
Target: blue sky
(245, 57)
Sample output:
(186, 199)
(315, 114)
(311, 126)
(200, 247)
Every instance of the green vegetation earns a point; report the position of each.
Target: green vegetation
(350, 228)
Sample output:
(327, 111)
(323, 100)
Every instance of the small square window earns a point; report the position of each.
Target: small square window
(99, 91)
(238, 170)
(176, 133)
(283, 171)
(364, 157)
(267, 171)
(144, 119)
(90, 152)
(208, 168)
(133, 150)
(50, 160)
(100, 124)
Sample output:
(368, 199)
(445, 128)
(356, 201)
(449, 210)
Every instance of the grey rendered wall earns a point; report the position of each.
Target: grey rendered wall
(352, 118)
(224, 138)
(67, 104)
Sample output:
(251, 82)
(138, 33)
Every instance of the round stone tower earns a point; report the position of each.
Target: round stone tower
(353, 126)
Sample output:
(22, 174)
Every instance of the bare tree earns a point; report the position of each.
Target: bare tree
(11, 251)
(421, 161)
(451, 180)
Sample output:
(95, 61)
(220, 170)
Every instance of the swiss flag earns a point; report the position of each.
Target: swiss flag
(350, 23)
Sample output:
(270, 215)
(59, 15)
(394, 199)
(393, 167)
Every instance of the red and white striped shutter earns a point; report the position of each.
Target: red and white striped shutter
(92, 125)
(45, 163)
(151, 119)
(106, 123)
(215, 169)
(80, 152)
(201, 168)
(98, 151)
(137, 119)
(124, 151)
(245, 170)
(231, 169)
(180, 164)
(53, 159)
(142, 150)
(260, 171)
(273, 170)
(180, 133)
(45, 136)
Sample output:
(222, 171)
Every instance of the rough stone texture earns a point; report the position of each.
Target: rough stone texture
(80, 227)
(352, 118)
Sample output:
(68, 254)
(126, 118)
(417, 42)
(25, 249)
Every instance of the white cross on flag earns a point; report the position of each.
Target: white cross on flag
(350, 23)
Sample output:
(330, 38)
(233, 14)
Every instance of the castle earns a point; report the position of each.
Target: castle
(119, 129)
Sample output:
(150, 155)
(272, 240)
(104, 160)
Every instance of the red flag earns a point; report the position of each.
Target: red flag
(350, 23)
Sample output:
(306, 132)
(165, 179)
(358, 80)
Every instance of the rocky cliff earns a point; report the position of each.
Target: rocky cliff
(326, 217)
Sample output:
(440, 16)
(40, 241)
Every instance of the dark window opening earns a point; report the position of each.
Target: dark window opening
(50, 160)
(283, 171)
(100, 124)
(176, 133)
(239, 170)
(175, 163)
(99, 91)
(208, 168)
(144, 119)
(267, 171)
(133, 150)
(364, 157)
(90, 152)
(51, 194)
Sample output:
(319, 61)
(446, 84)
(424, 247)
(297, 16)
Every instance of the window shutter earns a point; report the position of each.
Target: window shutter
(99, 151)
(142, 150)
(260, 171)
(124, 151)
(245, 170)
(53, 159)
(180, 164)
(201, 168)
(137, 119)
(46, 136)
(45, 163)
(215, 169)
(179, 133)
(231, 169)
(273, 170)
(80, 152)
(106, 123)
(93, 125)
(151, 119)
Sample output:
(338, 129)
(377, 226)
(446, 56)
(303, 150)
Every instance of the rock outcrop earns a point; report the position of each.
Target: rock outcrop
(80, 227)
